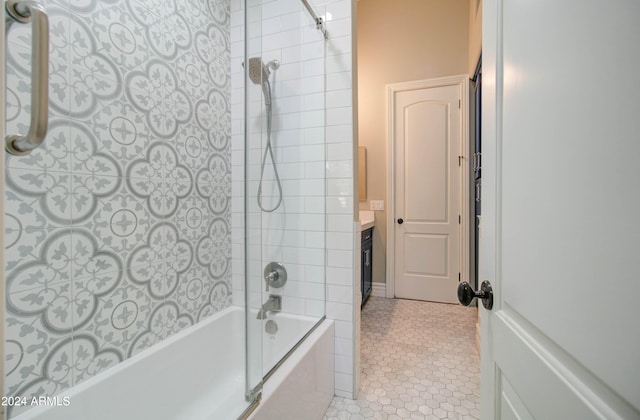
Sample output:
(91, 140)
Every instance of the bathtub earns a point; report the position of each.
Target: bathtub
(196, 374)
(290, 330)
(301, 386)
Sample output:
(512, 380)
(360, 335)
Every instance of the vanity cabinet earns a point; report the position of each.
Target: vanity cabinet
(366, 264)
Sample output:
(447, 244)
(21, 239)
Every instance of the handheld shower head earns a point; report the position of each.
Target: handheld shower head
(258, 72)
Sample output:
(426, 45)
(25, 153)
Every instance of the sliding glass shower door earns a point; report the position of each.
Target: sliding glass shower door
(283, 65)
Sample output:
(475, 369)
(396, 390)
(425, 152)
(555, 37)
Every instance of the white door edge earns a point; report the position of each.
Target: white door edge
(489, 395)
(462, 81)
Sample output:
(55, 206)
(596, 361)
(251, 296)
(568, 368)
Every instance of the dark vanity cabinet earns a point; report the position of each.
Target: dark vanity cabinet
(366, 264)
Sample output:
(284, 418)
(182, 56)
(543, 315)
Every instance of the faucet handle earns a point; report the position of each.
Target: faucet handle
(270, 278)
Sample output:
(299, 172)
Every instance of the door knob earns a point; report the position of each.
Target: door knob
(400, 221)
(466, 294)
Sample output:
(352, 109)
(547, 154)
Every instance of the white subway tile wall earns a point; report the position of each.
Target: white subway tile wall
(312, 233)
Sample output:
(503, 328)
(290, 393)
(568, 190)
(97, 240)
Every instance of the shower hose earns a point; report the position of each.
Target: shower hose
(268, 150)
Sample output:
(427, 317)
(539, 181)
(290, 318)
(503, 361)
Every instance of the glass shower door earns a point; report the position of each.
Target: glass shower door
(286, 172)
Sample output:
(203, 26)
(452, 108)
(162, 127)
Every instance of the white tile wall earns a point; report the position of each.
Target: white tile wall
(343, 304)
(313, 145)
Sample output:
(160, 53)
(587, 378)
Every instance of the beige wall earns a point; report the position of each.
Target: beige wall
(399, 41)
(475, 34)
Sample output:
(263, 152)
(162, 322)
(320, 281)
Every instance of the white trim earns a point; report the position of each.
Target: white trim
(378, 289)
(463, 82)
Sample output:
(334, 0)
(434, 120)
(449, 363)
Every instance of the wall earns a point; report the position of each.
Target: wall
(118, 229)
(400, 41)
(475, 34)
(343, 280)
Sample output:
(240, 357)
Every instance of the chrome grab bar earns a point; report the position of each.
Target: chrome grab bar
(25, 11)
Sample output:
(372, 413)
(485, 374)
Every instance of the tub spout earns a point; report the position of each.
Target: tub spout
(274, 304)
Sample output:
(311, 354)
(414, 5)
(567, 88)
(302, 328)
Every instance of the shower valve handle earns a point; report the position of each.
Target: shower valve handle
(275, 275)
(270, 278)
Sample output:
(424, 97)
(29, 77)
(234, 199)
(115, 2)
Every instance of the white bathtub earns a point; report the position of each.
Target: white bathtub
(196, 374)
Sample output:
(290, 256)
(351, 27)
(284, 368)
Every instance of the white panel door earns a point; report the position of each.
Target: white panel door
(427, 141)
(560, 237)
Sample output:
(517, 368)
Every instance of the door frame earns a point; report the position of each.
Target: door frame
(462, 81)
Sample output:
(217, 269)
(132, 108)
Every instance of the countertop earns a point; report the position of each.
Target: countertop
(367, 219)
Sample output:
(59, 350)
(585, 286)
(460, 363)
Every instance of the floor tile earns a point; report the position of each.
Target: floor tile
(419, 361)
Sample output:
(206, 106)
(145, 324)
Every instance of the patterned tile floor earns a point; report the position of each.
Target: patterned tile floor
(418, 362)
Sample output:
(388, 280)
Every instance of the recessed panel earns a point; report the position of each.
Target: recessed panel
(511, 406)
(426, 168)
(426, 255)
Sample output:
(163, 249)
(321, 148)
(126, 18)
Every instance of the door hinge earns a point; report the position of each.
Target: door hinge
(459, 103)
(477, 162)
(459, 219)
(460, 160)
(458, 276)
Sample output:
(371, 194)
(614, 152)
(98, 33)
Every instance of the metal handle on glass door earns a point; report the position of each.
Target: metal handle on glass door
(466, 294)
(25, 11)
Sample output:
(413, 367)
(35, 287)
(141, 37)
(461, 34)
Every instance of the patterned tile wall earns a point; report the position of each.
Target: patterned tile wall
(118, 229)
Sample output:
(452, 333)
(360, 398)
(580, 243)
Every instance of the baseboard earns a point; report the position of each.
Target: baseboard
(379, 289)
